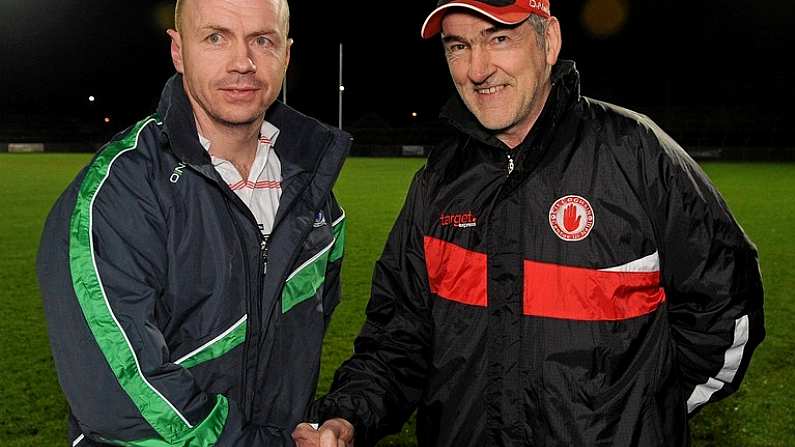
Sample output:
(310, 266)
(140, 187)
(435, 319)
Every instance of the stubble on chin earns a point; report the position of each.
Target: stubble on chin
(233, 124)
(229, 119)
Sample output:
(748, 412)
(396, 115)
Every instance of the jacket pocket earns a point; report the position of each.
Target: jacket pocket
(217, 346)
(642, 365)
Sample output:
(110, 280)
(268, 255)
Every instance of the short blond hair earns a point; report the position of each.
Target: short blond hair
(178, 8)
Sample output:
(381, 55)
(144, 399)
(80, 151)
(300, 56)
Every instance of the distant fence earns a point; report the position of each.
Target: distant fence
(361, 149)
(419, 141)
(23, 147)
(735, 153)
(48, 147)
(704, 153)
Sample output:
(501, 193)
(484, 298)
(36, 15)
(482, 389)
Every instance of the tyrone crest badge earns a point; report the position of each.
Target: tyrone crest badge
(571, 218)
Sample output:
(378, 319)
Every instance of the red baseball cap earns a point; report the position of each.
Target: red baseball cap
(509, 12)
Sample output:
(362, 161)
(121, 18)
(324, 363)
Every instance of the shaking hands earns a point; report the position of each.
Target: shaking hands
(335, 432)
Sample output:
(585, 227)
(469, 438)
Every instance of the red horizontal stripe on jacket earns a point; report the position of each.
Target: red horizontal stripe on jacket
(455, 273)
(574, 293)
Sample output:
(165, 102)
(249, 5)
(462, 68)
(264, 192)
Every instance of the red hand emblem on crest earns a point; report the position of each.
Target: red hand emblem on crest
(571, 221)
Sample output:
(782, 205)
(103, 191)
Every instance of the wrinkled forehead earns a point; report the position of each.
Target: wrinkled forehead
(268, 13)
(462, 22)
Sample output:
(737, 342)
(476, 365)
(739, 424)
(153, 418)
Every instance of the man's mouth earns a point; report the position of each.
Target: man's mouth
(489, 90)
(236, 93)
(239, 89)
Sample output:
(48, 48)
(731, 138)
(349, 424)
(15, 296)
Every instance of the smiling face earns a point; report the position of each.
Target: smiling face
(501, 72)
(233, 55)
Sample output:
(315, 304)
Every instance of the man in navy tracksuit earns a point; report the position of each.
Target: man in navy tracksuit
(562, 273)
(190, 270)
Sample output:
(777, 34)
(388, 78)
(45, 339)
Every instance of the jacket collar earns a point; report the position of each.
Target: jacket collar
(565, 91)
(302, 143)
(179, 124)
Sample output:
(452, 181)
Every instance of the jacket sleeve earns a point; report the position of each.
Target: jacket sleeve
(101, 266)
(379, 387)
(710, 273)
(331, 286)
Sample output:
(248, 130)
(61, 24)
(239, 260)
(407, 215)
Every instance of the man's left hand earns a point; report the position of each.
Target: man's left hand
(306, 435)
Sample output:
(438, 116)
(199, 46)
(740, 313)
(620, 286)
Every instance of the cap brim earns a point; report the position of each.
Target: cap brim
(433, 24)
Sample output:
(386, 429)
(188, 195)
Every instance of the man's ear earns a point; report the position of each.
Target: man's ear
(287, 56)
(176, 50)
(553, 41)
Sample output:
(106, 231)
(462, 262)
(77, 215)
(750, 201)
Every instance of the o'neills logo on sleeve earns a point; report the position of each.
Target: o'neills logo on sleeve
(571, 218)
(460, 220)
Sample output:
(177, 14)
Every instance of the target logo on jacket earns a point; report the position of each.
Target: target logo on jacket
(571, 218)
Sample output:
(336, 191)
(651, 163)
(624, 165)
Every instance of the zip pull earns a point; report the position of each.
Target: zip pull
(510, 163)
(263, 249)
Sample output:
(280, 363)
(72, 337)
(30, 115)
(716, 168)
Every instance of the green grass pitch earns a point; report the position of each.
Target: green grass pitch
(32, 409)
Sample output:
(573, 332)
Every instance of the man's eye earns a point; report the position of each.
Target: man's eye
(263, 41)
(455, 48)
(501, 39)
(215, 38)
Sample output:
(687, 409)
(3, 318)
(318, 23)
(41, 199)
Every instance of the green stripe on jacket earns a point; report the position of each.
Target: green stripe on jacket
(169, 423)
(308, 278)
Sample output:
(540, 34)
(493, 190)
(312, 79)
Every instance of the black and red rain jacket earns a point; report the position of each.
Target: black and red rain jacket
(589, 287)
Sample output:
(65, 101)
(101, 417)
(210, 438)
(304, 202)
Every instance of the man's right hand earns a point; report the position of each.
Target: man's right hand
(335, 432)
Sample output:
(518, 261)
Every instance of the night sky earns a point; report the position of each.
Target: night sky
(648, 55)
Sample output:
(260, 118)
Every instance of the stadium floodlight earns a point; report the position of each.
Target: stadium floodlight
(413, 114)
(107, 120)
(342, 89)
(91, 98)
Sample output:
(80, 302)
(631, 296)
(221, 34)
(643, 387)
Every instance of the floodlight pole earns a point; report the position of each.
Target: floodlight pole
(341, 89)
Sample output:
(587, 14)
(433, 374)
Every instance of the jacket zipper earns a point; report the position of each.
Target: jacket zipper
(510, 163)
(263, 249)
(250, 309)
(263, 254)
(252, 304)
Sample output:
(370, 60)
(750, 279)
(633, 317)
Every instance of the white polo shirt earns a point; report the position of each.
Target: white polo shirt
(262, 189)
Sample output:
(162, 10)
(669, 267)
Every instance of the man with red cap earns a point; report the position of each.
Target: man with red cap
(562, 272)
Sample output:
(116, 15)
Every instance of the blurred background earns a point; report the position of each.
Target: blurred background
(713, 74)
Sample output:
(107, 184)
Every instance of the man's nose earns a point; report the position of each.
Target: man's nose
(242, 60)
(480, 66)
